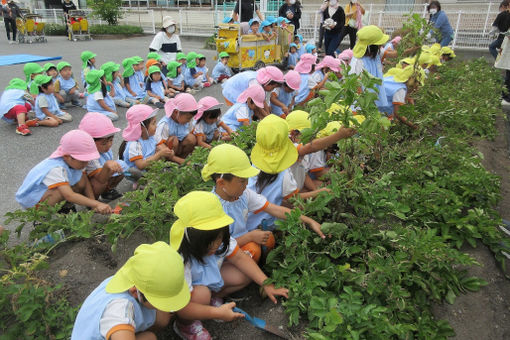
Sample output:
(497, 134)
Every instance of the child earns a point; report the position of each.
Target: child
(230, 168)
(104, 173)
(192, 77)
(31, 71)
(310, 48)
(221, 72)
(181, 59)
(207, 126)
(66, 88)
(51, 70)
(298, 40)
(139, 147)
(132, 83)
(282, 99)
(447, 54)
(206, 80)
(174, 130)
(14, 106)
(319, 78)
(175, 77)
(60, 177)
(214, 266)
(139, 65)
(154, 56)
(293, 56)
(254, 26)
(98, 99)
(241, 113)
(154, 87)
(47, 110)
(266, 30)
(305, 67)
(142, 295)
(117, 90)
(345, 57)
(88, 63)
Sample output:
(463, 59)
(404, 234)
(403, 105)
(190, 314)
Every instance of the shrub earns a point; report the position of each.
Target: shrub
(108, 10)
(110, 29)
(55, 29)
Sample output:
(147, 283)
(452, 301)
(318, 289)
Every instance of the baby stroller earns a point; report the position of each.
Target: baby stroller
(30, 29)
(77, 26)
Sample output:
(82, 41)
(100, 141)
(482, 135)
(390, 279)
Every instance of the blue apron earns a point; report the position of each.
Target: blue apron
(391, 87)
(93, 105)
(230, 118)
(174, 128)
(66, 85)
(235, 85)
(303, 91)
(52, 106)
(10, 98)
(285, 97)
(374, 67)
(148, 149)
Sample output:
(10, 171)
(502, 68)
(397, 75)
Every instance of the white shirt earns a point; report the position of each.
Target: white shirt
(399, 97)
(289, 185)
(117, 312)
(55, 176)
(164, 44)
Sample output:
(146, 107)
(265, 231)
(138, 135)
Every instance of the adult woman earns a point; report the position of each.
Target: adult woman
(440, 21)
(10, 12)
(167, 43)
(500, 25)
(503, 62)
(334, 20)
(247, 8)
(353, 13)
(291, 9)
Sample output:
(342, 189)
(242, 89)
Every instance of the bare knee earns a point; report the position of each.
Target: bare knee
(189, 140)
(162, 319)
(146, 336)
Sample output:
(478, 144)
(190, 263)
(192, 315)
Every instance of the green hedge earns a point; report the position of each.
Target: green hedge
(58, 29)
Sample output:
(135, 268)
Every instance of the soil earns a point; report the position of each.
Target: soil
(81, 266)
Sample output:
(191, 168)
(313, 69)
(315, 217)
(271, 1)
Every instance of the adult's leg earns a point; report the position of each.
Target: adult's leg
(7, 28)
(506, 95)
(446, 41)
(343, 33)
(321, 37)
(14, 29)
(333, 44)
(352, 36)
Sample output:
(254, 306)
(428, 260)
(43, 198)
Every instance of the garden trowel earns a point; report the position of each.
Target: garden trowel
(259, 323)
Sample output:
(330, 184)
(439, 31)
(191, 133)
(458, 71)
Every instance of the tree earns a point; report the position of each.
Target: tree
(108, 10)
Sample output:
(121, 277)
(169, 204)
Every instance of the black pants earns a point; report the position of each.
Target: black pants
(506, 95)
(10, 25)
(321, 37)
(352, 35)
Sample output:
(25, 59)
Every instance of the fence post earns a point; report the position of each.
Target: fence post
(379, 21)
(370, 12)
(316, 26)
(153, 22)
(180, 20)
(456, 29)
(55, 15)
(424, 10)
(487, 19)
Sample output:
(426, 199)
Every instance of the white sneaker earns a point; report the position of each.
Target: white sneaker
(11, 42)
(505, 103)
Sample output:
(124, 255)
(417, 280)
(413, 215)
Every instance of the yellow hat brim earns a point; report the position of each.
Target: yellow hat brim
(273, 163)
(245, 173)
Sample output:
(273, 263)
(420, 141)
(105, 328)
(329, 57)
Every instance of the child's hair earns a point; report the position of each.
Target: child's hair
(89, 63)
(122, 146)
(196, 243)
(226, 177)
(45, 85)
(214, 113)
(104, 90)
(372, 51)
(263, 180)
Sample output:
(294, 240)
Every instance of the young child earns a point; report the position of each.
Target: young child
(182, 59)
(254, 26)
(51, 70)
(282, 98)
(207, 127)
(241, 113)
(139, 298)
(396, 88)
(206, 79)
(321, 75)
(133, 86)
(104, 173)
(174, 130)
(345, 57)
(31, 71)
(154, 56)
(293, 56)
(66, 88)
(298, 40)
(139, 66)
(213, 264)
(447, 54)
(60, 177)
(305, 67)
(221, 71)
(230, 168)
(139, 147)
(117, 90)
(266, 30)
(192, 77)
(14, 106)
(175, 78)
(47, 110)
(155, 88)
(310, 48)
(88, 60)
(98, 99)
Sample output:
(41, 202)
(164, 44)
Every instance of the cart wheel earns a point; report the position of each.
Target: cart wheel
(75, 39)
(259, 64)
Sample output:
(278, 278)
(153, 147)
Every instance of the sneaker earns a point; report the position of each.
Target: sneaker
(193, 331)
(110, 195)
(504, 102)
(217, 302)
(505, 227)
(76, 103)
(62, 106)
(11, 42)
(23, 130)
(207, 84)
(32, 123)
(159, 105)
(82, 95)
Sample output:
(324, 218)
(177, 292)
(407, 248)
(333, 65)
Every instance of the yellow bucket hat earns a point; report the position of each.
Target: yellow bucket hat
(330, 129)
(337, 108)
(400, 75)
(434, 49)
(298, 120)
(448, 51)
(273, 152)
(368, 35)
(157, 271)
(200, 210)
(429, 59)
(228, 159)
(408, 61)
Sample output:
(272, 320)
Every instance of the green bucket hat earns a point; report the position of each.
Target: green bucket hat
(17, 84)
(85, 57)
(191, 60)
(180, 56)
(224, 55)
(172, 69)
(154, 69)
(153, 55)
(137, 59)
(93, 79)
(62, 64)
(200, 56)
(31, 68)
(108, 70)
(128, 67)
(42, 79)
(47, 66)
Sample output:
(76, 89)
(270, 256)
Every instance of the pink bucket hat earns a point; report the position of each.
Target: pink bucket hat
(396, 40)
(305, 63)
(97, 125)
(329, 62)
(346, 55)
(256, 93)
(77, 144)
(182, 102)
(205, 104)
(135, 115)
(293, 79)
(269, 73)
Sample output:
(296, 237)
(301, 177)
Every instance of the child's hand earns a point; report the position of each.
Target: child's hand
(200, 73)
(72, 91)
(113, 166)
(285, 110)
(167, 153)
(271, 291)
(259, 236)
(316, 227)
(60, 121)
(227, 314)
(103, 208)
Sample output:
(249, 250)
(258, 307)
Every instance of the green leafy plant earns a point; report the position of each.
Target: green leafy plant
(108, 10)
(55, 29)
(117, 29)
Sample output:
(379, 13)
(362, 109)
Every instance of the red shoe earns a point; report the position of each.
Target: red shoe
(207, 84)
(193, 331)
(23, 130)
(32, 123)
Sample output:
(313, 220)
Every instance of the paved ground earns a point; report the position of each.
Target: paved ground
(20, 154)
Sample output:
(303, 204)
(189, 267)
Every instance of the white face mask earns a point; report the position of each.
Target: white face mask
(170, 29)
(292, 2)
(333, 2)
(433, 11)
